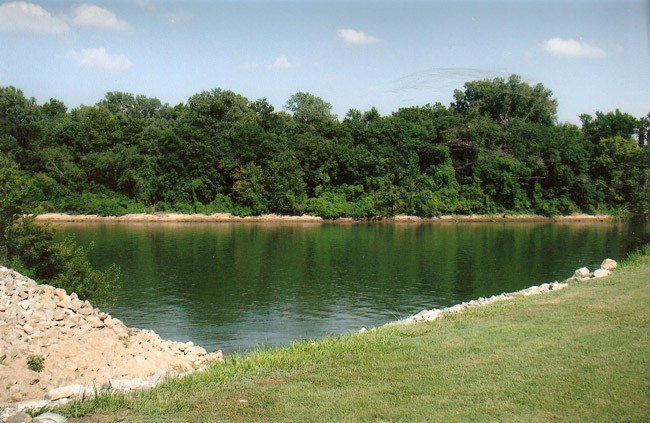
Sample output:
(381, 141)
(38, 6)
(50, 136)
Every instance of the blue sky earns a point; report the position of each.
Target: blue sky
(593, 55)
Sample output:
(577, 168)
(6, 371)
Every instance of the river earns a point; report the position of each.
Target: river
(233, 286)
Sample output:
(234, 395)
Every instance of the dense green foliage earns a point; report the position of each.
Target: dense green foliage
(496, 149)
(32, 250)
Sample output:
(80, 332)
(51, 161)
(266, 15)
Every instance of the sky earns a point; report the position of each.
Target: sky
(355, 54)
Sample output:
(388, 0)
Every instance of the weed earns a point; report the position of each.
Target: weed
(35, 363)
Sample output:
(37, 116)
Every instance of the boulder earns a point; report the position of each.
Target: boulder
(136, 383)
(601, 273)
(583, 272)
(609, 264)
(65, 392)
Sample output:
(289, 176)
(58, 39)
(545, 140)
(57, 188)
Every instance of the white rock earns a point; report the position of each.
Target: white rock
(24, 304)
(583, 272)
(31, 405)
(58, 315)
(601, 273)
(64, 392)
(609, 264)
(49, 418)
(132, 384)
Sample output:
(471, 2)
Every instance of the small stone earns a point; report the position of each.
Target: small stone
(200, 351)
(583, 272)
(28, 329)
(24, 304)
(20, 417)
(609, 264)
(363, 330)
(31, 405)
(49, 418)
(64, 392)
(75, 305)
(58, 315)
(95, 322)
(132, 384)
(85, 311)
(601, 273)
(60, 292)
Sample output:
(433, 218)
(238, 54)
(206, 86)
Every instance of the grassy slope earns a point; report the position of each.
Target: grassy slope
(581, 354)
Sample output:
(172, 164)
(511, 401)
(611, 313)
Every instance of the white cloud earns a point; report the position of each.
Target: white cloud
(98, 17)
(99, 58)
(282, 62)
(570, 47)
(354, 37)
(30, 18)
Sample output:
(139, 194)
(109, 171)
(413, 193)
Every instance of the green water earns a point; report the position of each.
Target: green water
(233, 286)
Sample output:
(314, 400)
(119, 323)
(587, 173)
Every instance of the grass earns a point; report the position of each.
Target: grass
(580, 354)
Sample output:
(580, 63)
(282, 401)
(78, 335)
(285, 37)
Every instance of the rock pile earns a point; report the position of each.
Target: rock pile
(436, 313)
(55, 346)
(606, 268)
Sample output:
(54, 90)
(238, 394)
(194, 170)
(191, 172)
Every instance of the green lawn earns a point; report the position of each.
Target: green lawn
(580, 354)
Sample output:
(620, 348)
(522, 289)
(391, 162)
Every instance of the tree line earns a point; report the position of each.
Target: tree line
(496, 149)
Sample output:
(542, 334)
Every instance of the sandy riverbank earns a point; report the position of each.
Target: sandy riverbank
(274, 218)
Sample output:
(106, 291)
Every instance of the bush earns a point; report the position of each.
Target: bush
(32, 251)
(99, 204)
(329, 205)
(35, 363)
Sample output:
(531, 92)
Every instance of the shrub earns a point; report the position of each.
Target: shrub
(35, 363)
(32, 250)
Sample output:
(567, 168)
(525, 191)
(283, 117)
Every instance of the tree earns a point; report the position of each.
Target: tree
(609, 125)
(127, 104)
(504, 100)
(18, 121)
(31, 248)
(621, 170)
(499, 177)
(219, 106)
(309, 109)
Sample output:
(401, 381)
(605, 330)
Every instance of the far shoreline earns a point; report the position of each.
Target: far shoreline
(274, 218)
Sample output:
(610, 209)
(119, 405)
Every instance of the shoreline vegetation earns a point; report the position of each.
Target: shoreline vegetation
(275, 218)
(574, 354)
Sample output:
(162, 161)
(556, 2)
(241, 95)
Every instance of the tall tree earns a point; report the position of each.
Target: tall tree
(309, 109)
(503, 100)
